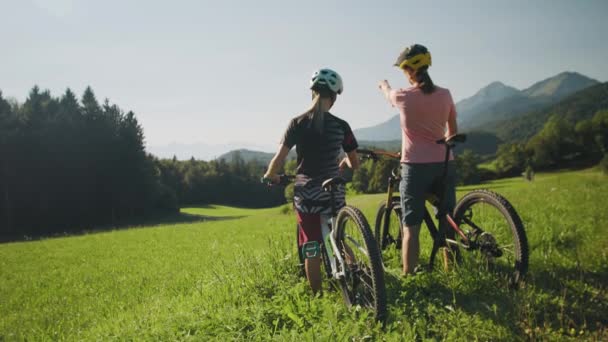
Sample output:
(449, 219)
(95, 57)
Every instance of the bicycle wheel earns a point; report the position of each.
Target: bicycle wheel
(391, 234)
(363, 282)
(496, 233)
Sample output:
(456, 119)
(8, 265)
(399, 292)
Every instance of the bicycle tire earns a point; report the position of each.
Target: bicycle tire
(363, 284)
(385, 236)
(472, 204)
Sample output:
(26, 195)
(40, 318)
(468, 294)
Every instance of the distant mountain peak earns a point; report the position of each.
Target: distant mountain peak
(560, 85)
(484, 98)
(496, 84)
(495, 102)
(497, 89)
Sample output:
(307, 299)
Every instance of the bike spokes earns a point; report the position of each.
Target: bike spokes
(358, 276)
(491, 236)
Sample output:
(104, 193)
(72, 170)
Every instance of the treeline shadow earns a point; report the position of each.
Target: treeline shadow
(418, 295)
(138, 222)
(556, 298)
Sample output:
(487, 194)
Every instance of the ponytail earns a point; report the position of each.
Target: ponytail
(425, 83)
(316, 112)
(317, 115)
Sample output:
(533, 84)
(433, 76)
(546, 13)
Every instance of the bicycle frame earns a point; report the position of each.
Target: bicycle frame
(328, 232)
(329, 243)
(437, 233)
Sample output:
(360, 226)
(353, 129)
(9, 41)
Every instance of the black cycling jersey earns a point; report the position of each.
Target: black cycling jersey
(318, 151)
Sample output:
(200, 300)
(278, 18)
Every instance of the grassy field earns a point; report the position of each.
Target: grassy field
(232, 275)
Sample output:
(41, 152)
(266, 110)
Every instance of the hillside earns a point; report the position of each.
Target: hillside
(201, 151)
(479, 142)
(386, 145)
(387, 130)
(494, 103)
(559, 86)
(579, 106)
(484, 139)
(247, 155)
(540, 95)
(485, 98)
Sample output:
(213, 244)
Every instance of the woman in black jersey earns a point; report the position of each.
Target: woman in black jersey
(320, 138)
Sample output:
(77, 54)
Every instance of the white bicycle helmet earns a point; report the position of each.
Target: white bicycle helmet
(329, 78)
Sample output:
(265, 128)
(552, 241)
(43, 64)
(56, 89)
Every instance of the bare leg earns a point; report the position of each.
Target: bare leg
(313, 273)
(410, 248)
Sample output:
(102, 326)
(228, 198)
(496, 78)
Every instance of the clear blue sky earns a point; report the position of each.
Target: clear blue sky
(226, 71)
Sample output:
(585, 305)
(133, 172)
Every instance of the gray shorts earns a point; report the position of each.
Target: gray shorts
(418, 180)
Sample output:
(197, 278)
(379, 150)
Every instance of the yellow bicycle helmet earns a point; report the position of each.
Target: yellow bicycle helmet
(415, 57)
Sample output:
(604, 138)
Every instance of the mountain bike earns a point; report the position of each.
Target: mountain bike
(484, 224)
(349, 253)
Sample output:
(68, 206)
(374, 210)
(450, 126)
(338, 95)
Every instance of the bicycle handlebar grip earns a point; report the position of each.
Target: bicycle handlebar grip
(283, 180)
(368, 154)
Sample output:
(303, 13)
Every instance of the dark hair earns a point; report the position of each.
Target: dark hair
(314, 114)
(323, 91)
(425, 83)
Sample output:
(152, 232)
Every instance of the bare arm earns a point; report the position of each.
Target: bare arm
(385, 88)
(276, 163)
(452, 125)
(351, 161)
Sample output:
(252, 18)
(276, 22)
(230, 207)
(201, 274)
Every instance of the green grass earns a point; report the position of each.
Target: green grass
(234, 276)
(223, 211)
(489, 165)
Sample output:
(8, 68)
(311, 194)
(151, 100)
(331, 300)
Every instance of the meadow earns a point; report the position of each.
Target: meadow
(232, 274)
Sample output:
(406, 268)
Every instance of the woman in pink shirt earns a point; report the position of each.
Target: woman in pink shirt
(427, 114)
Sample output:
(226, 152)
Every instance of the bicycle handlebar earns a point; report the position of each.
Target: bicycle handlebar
(452, 140)
(375, 154)
(284, 180)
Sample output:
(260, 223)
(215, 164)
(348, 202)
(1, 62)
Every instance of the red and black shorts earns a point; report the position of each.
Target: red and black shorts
(309, 228)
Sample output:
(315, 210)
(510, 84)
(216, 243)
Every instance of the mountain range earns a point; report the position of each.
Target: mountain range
(200, 151)
(493, 104)
(248, 155)
(497, 113)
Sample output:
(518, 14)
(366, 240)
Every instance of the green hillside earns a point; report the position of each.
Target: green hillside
(539, 96)
(580, 106)
(481, 143)
(499, 113)
(559, 86)
(227, 278)
(247, 156)
(486, 97)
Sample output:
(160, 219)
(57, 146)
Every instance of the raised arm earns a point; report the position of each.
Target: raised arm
(385, 88)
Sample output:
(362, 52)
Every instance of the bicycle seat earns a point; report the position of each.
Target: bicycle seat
(457, 138)
(329, 184)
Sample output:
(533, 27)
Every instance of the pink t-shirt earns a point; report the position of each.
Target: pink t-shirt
(424, 120)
